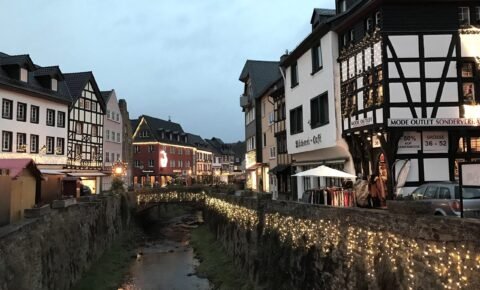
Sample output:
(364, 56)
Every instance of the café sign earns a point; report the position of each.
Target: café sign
(434, 122)
(316, 139)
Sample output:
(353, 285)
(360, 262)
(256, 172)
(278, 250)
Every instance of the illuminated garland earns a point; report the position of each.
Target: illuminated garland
(453, 269)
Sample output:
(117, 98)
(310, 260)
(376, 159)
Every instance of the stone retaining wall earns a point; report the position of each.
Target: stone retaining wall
(54, 250)
(289, 245)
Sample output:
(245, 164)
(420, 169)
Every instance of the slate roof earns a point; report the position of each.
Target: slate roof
(198, 142)
(261, 73)
(106, 95)
(76, 82)
(156, 124)
(34, 84)
(220, 147)
(239, 149)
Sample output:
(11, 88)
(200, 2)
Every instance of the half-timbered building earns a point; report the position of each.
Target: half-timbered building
(409, 80)
(85, 129)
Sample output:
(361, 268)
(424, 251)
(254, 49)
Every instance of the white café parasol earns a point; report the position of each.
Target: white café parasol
(325, 171)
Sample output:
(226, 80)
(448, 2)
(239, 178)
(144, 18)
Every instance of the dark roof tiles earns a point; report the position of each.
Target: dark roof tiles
(261, 73)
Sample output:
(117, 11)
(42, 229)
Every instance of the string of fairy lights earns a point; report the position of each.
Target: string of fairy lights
(453, 267)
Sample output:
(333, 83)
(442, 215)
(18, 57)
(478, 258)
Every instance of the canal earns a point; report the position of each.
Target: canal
(165, 258)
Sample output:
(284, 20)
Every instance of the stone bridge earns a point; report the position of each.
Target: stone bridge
(290, 245)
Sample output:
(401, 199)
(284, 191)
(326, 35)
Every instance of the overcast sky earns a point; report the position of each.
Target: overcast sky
(166, 58)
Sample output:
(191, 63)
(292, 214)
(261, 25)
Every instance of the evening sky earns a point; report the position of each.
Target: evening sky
(166, 58)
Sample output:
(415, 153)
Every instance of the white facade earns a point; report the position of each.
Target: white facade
(112, 138)
(56, 159)
(318, 145)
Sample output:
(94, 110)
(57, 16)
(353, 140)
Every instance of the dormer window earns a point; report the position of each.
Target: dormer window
(178, 138)
(54, 84)
(23, 74)
(369, 24)
(343, 5)
(378, 18)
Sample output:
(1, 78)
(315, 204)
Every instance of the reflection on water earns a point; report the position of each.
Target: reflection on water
(167, 263)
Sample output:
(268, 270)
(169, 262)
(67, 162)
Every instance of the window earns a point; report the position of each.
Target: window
(343, 5)
(273, 152)
(81, 103)
(378, 18)
(87, 105)
(444, 193)
(21, 112)
(94, 131)
(7, 106)
(251, 144)
(317, 61)
(33, 143)
(54, 84)
(477, 15)
(118, 137)
(464, 15)
(150, 148)
(50, 117)
(23, 75)
(172, 150)
(79, 128)
(107, 157)
(264, 140)
(430, 193)
(352, 35)
(113, 156)
(61, 119)
(118, 117)
(150, 163)
(467, 70)
(78, 151)
(172, 163)
(468, 93)
(271, 118)
(296, 120)
(60, 146)
(136, 149)
(34, 110)
(94, 154)
(369, 24)
(108, 134)
(249, 116)
(21, 142)
(118, 156)
(319, 111)
(180, 151)
(143, 133)
(180, 163)
(137, 163)
(293, 75)
(50, 145)
(6, 141)
(264, 107)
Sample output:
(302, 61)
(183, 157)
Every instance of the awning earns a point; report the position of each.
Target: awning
(86, 174)
(325, 171)
(52, 171)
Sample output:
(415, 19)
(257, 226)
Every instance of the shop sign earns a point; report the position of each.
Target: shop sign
(147, 171)
(361, 122)
(434, 122)
(316, 139)
(410, 142)
(435, 142)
